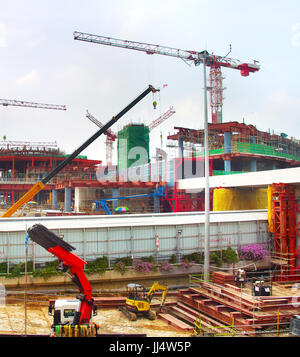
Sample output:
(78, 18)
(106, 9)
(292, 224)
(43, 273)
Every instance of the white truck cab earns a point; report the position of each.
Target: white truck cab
(65, 311)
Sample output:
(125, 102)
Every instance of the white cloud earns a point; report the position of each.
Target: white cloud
(27, 78)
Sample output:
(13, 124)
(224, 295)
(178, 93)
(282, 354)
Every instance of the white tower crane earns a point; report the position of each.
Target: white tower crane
(21, 103)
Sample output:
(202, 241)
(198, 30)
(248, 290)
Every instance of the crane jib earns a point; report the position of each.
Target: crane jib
(197, 57)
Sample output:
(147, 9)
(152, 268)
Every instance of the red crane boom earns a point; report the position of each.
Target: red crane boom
(68, 261)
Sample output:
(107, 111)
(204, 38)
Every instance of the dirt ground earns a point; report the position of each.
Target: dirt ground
(12, 321)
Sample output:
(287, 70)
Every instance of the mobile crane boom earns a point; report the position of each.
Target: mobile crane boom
(40, 185)
(68, 261)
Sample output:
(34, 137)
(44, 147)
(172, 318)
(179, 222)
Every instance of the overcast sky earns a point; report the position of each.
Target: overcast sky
(41, 62)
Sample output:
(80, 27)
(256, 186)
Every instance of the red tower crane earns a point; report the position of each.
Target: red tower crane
(214, 62)
(110, 138)
(197, 58)
(21, 103)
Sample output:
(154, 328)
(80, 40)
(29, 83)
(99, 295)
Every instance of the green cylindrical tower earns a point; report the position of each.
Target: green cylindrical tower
(133, 146)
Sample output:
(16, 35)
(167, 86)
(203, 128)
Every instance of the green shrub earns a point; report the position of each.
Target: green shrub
(215, 258)
(173, 259)
(149, 259)
(98, 265)
(3, 268)
(230, 256)
(16, 270)
(126, 260)
(48, 270)
(193, 257)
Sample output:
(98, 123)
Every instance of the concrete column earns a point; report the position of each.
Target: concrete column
(68, 199)
(227, 142)
(180, 146)
(227, 165)
(115, 194)
(180, 155)
(156, 201)
(54, 199)
(77, 191)
(253, 166)
(227, 150)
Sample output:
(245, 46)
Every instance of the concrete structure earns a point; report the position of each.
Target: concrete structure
(250, 179)
(241, 147)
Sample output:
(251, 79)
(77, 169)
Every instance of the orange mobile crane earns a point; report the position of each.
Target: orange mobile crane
(40, 185)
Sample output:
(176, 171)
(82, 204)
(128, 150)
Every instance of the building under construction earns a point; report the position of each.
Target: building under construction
(24, 163)
(234, 148)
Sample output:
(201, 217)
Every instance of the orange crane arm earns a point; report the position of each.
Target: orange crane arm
(40, 185)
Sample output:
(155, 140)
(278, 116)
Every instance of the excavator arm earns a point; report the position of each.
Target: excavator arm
(67, 261)
(158, 287)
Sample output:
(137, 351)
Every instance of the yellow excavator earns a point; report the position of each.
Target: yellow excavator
(138, 301)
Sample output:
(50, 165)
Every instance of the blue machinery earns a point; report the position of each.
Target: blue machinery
(160, 192)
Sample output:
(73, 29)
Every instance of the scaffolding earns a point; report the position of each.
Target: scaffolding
(283, 229)
(244, 139)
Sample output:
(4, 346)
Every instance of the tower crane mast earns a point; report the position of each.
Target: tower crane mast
(21, 103)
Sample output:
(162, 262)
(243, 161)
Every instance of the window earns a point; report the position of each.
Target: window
(69, 312)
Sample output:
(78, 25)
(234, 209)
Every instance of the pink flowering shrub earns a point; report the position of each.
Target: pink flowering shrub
(166, 266)
(185, 264)
(120, 267)
(142, 267)
(253, 252)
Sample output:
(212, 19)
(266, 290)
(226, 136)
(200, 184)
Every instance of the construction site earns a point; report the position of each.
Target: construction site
(200, 241)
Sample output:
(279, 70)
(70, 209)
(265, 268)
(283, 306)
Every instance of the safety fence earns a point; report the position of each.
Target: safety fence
(137, 236)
